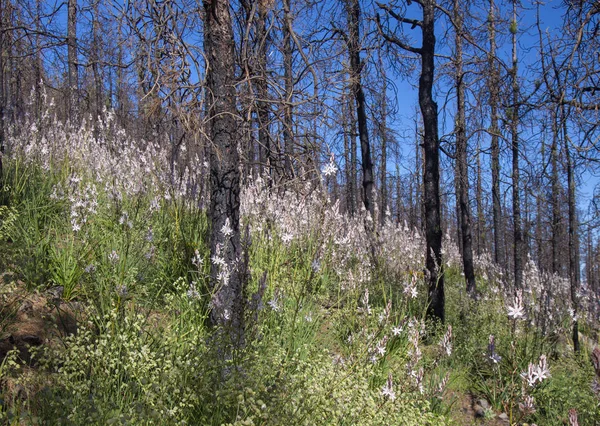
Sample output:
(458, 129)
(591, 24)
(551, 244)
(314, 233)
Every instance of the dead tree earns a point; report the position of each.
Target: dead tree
(431, 145)
(356, 67)
(461, 155)
(72, 59)
(518, 252)
(225, 242)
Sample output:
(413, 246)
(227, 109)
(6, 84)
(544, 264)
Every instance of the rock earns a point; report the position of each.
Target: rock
(26, 308)
(55, 293)
(31, 340)
(479, 411)
(484, 404)
(504, 418)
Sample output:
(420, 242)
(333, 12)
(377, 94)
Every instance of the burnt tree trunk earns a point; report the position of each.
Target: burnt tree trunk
(481, 238)
(2, 94)
(383, 132)
(349, 156)
(493, 83)
(461, 159)
(356, 67)
(39, 65)
(72, 59)
(433, 229)
(225, 242)
(556, 214)
(518, 251)
(96, 68)
(353, 155)
(262, 89)
(288, 137)
(574, 273)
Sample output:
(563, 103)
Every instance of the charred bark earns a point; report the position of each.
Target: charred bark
(72, 59)
(288, 137)
(461, 159)
(518, 251)
(574, 272)
(356, 67)
(493, 83)
(225, 243)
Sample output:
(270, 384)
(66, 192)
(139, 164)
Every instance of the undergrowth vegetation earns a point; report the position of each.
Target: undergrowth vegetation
(112, 233)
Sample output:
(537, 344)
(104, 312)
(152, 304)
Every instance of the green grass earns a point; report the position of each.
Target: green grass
(145, 354)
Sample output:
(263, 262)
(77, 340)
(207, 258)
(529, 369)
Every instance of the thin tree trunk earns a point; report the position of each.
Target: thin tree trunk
(225, 242)
(494, 82)
(461, 158)
(384, 141)
(539, 209)
(39, 66)
(349, 157)
(514, 125)
(433, 230)
(2, 94)
(556, 216)
(353, 155)
(481, 237)
(95, 56)
(459, 239)
(288, 137)
(72, 59)
(399, 195)
(383, 132)
(356, 67)
(574, 273)
(417, 215)
(264, 135)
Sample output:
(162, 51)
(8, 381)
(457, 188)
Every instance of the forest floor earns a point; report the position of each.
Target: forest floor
(33, 320)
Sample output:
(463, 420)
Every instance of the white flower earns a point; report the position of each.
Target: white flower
(536, 373)
(397, 330)
(495, 358)
(528, 405)
(573, 315)
(223, 276)
(218, 260)
(197, 259)
(410, 288)
(388, 389)
(543, 372)
(530, 375)
(365, 303)
(274, 304)
(226, 229)
(413, 293)
(446, 342)
(419, 380)
(192, 292)
(331, 168)
(226, 314)
(517, 311)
